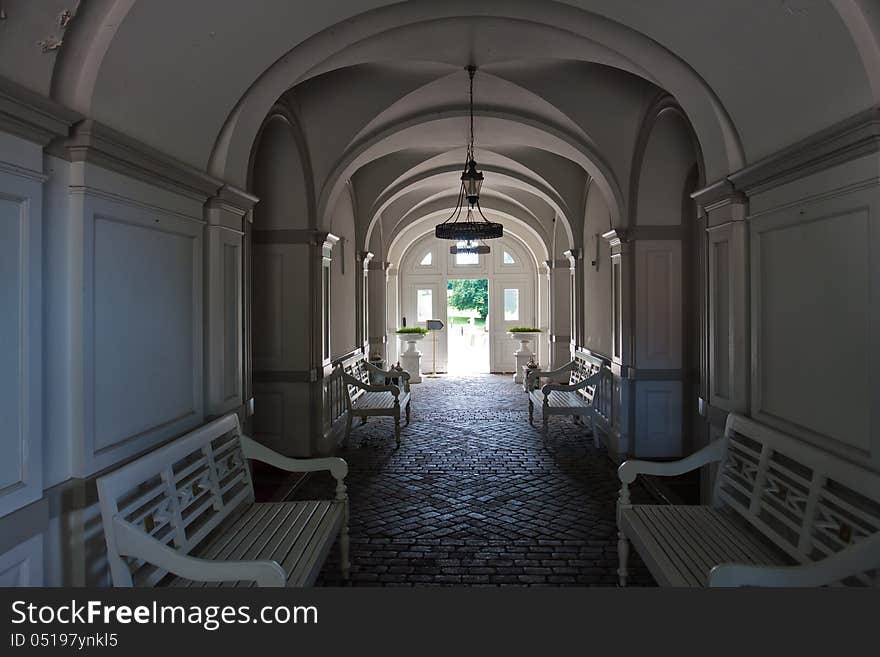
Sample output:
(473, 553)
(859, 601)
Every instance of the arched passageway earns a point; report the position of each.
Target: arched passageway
(204, 229)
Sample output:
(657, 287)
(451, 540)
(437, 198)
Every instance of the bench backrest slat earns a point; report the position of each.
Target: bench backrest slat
(356, 368)
(178, 494)
(585, 366)
(808, 502)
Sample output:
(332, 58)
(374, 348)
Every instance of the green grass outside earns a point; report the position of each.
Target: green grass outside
(456, 321)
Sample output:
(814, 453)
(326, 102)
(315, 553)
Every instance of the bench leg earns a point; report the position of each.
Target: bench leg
(347, 429)
(344, 556)
(397, 423)
(622, 557)
(407, 412)
(363, 420)
(531, 412)
(546, 422)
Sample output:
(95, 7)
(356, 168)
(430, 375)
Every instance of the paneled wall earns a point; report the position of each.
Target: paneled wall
(346, 275)
(658, 361)
(597, 274)
(286, 347)
(21, 323)
(637, 300)
(815, 308)
(794, 291)
(109, 254)
(132, 272)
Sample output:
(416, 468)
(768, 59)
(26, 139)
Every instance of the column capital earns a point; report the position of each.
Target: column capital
(730, 208)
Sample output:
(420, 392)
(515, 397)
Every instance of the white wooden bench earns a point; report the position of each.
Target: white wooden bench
(367, 399)
(184, 515)
(783, 513)
(588, 385)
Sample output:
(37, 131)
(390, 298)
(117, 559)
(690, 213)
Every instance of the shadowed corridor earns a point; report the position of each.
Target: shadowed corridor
(474, 496)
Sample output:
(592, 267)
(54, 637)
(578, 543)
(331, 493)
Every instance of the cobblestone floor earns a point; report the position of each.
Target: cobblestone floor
(474, 496)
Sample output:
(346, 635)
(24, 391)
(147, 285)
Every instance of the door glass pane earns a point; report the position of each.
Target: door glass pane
(466, 258)
(426, 261)
(511, 305)
(424, 310)
(508, 259)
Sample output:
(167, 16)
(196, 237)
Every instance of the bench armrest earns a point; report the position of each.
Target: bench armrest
(854, 560)
(593, 380)
(254, 450)
(133, 542)
(565, 368)
(713, 452)
(393, 389)
(388, 373)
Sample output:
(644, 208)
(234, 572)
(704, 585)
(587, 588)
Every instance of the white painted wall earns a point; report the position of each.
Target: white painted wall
(597, 278)
(346, 273)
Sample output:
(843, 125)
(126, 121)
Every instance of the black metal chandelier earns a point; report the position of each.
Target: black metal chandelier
(472, 230)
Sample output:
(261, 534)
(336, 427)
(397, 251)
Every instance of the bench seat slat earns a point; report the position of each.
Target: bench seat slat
(296, 535)
(725, 535)
(374, 400)
(294, 556)
(681, 544)
(306, 570)
(562, 399)
(704, 553)
(681, 553)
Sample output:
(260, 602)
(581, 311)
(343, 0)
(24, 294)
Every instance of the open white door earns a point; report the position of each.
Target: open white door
(511, 303)
(424, 300)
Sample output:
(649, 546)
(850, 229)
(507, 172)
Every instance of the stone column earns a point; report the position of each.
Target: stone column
(377, 282)
(391, 318)
(363, 305)
(576, 296)
(291, 318)
(321, 349)
(225, 215)
(728, 308)
(620, 436)
(560, 312)
(543, 344)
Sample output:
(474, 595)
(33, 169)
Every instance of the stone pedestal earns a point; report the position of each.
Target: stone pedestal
(411, 358)
(524, 354)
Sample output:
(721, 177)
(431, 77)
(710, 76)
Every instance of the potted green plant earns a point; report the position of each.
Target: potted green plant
(524, 335)
(411, 335)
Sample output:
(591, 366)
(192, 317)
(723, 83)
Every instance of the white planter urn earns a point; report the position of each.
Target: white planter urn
(525, 352)
(411, 358)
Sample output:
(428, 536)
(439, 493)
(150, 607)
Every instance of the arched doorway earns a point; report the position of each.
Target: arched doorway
(426, 274)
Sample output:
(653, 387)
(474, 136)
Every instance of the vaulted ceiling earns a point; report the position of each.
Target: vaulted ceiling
(380, 93)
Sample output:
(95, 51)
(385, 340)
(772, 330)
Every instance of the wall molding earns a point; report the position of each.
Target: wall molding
(828, 195)
(232, 199)
(31, 116)
(88, 190)
(656, 233)
(847, 140)
(91, 141)
(642, 374)
(296, 236)
(23, 172)
(284, 376)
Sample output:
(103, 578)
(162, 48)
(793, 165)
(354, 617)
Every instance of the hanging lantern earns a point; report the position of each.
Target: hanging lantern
(472, 229)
